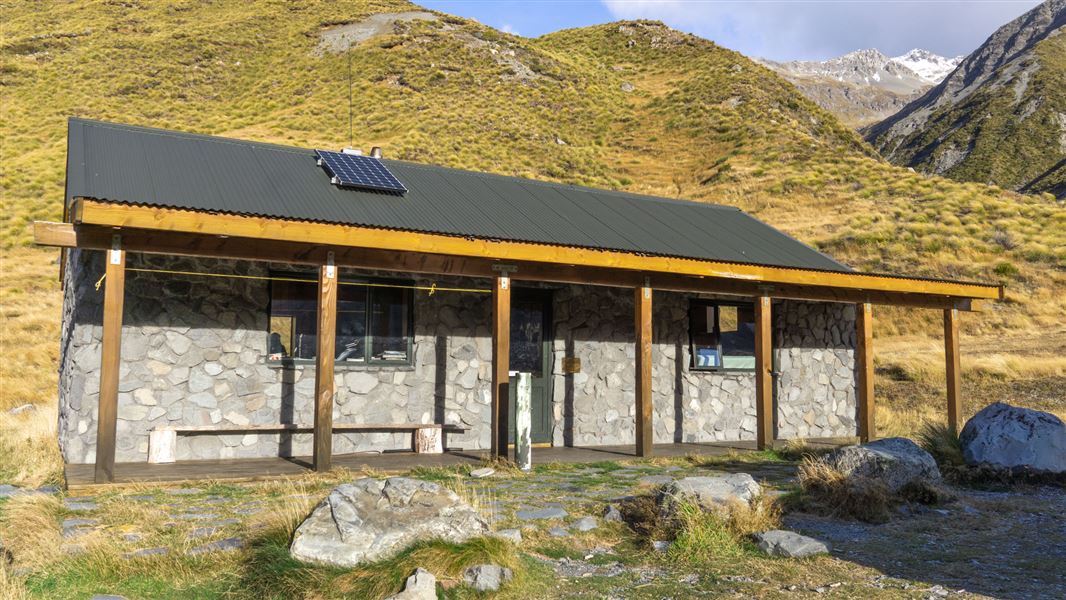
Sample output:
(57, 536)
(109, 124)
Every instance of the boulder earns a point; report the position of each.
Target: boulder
(789, 544)
(487, 578)
(713, 492)
(1011, 436)
(372, 519)
(421, 585)
(893, 461)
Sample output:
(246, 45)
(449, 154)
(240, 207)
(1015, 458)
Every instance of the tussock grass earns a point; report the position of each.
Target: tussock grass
(29, 528)
(700, 535)
(827, 490)
(942, 443)
(445, 560)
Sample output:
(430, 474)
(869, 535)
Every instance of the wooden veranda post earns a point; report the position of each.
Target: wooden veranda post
(324, 361)
(643, 409)
(864, 367)
(954, 373)
(501, 361)
(110, 354)
(764, 388)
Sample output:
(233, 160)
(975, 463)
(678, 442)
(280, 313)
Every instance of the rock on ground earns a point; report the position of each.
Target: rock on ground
(1011, 436)
(514, 535)
(487, 578)
(710, 492)
(586, 524)
(789, 544)
(893, 461)
(612, 514)
(421, 585)
(482, 473)
(372, 519)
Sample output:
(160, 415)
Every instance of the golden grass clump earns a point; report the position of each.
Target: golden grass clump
(828, 490)
(29, 528)
(700, 535)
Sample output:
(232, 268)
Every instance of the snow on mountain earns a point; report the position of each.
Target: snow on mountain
(864, 86)
(933, 68)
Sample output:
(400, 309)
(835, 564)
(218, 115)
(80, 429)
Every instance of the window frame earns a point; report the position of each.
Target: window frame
(368, 284)
(716, 304)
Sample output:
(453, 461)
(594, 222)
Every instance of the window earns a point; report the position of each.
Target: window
(374, 324)
(722, 335)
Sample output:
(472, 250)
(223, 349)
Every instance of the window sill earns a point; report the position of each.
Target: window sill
(724, 370)
(341, 366)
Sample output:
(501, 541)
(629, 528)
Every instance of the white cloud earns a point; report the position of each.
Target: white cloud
(817, 29)
(508, 28)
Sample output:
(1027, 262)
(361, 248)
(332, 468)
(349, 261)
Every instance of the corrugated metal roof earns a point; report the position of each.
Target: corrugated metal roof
(156, 167)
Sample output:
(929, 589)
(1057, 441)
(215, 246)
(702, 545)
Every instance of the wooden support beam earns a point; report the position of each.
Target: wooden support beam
(764, 384)
(69, 235)
(953, 370)
(864, 370)
(110, 358)
(94, 212)
(324, 363)
(643, 409)
(501, 363)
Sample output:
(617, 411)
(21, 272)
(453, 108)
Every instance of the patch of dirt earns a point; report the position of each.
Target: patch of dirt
(1000, 544)
(336, 40)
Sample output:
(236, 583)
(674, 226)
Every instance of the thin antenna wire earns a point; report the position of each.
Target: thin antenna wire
(351, 142)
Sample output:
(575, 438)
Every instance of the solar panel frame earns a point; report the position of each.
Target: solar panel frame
(358, 171)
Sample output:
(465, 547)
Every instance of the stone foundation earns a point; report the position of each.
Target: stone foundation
(194, 353)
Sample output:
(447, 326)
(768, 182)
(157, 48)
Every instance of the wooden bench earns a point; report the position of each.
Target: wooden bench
(426, 438)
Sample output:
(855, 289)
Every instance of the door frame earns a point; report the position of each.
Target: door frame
(546, 296)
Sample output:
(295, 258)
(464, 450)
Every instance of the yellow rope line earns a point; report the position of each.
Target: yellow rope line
(432, 289)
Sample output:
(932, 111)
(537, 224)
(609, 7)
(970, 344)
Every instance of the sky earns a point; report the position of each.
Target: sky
(774, 29)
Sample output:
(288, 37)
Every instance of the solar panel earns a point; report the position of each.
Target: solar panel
(353, 170)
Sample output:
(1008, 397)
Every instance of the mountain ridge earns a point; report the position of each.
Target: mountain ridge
(865, 86)
(1013, 87)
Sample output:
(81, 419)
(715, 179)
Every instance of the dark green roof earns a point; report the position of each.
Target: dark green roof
(156, 167)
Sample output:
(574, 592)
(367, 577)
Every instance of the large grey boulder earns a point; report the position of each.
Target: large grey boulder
(372, 519)
(789, 544)
(421, 585)
(893, 461)
(1011, 436)
(712, 493)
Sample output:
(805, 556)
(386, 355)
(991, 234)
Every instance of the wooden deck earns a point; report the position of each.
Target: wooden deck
(251, 469)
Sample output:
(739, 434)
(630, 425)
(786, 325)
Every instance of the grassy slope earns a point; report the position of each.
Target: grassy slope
(994, 113)
(701, 122)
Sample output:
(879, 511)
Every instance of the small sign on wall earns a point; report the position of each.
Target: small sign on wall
(571, 364)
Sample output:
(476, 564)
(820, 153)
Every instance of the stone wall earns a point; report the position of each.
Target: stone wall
(194, 353)
(814, 363)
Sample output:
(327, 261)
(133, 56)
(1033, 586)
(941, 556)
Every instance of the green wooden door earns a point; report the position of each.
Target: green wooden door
(531, 345)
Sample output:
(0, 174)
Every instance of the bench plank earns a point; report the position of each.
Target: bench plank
(297, 428)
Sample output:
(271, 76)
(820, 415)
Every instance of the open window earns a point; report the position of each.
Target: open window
(722, 336)
(374, 321)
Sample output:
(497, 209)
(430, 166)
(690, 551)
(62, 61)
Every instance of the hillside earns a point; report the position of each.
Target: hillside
(630, 105)
(1012, 88)
(865, 86)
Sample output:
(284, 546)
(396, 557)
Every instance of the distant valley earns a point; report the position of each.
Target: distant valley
(865, 86)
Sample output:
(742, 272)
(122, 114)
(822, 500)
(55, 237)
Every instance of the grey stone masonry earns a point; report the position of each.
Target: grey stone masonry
(194, 352)
(813, 356)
